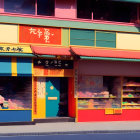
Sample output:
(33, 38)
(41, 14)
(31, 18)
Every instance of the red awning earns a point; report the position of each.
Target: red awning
(114, 53)
(45, 50)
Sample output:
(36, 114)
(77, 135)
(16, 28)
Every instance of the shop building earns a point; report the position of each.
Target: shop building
(83, 64)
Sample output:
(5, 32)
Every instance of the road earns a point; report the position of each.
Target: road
(119, 136)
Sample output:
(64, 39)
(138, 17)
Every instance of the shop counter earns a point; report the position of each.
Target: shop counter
(15, 115)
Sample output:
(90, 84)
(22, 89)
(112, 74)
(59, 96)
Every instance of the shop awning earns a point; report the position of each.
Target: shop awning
(45, 50)
(136, 1)
(105, 53)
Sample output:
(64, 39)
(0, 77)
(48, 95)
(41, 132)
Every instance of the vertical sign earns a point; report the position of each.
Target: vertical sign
(41, 82)
(37, 34)
(35, 96)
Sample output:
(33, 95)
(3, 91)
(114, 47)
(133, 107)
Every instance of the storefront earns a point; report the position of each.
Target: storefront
(53, 94)
(107, 89)
(15, 89)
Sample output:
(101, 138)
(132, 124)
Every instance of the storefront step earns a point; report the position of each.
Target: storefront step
(55, 119)
(16, 123)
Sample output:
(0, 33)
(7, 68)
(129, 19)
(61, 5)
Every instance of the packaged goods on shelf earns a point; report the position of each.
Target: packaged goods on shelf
(98, 103)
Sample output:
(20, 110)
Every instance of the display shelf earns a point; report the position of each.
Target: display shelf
(131, 108)
(95, 108)
(130, 97)
(131, 85)
(14, 109)
(96, 97)
(131, 90)
(131, 104)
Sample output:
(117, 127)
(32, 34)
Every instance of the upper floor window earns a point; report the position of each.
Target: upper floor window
(20, 6)
(107, 10)
(35, 7)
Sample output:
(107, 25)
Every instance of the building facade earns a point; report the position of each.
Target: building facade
(77, 59)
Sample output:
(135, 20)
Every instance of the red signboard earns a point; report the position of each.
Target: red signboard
(40, 35)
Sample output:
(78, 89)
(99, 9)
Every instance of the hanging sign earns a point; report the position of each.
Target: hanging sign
(15, 48)
(54, 63)
(41, 35)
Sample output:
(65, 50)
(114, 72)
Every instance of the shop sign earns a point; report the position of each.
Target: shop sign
(41, 35)
(54, 63)
(35, 96)
(15, 48)
(41, 87)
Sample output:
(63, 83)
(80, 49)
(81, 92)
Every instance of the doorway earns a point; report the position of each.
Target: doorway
(56, 97)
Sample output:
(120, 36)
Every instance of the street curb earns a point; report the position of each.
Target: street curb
(72, 133)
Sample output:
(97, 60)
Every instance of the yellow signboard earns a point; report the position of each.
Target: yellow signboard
(15, 48)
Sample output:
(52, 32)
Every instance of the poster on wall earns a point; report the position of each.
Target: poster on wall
(40, 35)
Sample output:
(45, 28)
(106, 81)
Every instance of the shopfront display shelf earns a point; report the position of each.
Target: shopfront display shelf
(131, 90)
(97, 97)
(131, 85)
(95, 108)
(131, 104)
(13, 109)
(130, 97)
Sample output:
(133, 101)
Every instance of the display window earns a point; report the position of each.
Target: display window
(99, 92)
(131, 93)
(15, 93)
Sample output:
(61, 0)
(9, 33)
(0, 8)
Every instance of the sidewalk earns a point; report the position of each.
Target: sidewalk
(70, 128)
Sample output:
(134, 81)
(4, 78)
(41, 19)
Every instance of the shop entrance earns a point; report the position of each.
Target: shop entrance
(56, 97)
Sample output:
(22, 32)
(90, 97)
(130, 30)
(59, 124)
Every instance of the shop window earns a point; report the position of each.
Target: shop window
(107, 10)
(15, 93)
(20, 6)
(82, 37)
(97, 92)
(105, 39)
(45, 7)
(131, 93)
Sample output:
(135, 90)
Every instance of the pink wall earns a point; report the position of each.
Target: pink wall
(65, 8)
(1, 6)
(109, 68)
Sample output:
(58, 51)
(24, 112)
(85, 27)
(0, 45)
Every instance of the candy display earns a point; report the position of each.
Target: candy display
(93, 94)
(131, 93)
(98, 103)
(99, 92)
(10, 104)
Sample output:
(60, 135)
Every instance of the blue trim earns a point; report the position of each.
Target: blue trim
(5, 67)
(15, 115)
(17, 54)
(24, 66)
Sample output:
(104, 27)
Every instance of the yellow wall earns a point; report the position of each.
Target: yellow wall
(8, 33)
(41, 102)
(128, 41)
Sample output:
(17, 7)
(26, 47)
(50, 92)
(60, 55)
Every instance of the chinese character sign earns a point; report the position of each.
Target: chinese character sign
(41, 35)
(15, 48)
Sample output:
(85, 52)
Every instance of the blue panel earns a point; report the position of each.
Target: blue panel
(15, 116)
(52, 90)
(5, 67)
(24, 66)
